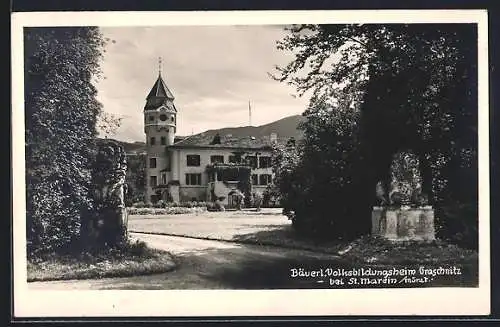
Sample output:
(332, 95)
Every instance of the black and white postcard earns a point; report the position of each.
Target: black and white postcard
(250, 163)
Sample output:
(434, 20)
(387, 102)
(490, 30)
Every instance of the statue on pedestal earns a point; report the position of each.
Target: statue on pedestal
(109, 225)
(403, 212)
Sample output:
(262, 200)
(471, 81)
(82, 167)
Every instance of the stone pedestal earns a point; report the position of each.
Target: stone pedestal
(404, 223)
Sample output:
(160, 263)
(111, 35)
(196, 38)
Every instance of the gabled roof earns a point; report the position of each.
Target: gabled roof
(204, 140)
(160, 90)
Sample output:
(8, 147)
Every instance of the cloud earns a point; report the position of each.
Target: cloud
(213, 71)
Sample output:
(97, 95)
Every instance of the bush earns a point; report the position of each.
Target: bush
(61, 113)
(165, 211)
(458, 223)
(139, 204)
(211, 206)
(139, 248)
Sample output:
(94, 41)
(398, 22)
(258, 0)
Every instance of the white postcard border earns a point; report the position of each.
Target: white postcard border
(72, 303)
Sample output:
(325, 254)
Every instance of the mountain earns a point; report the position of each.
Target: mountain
(285, 127)
(133, 146)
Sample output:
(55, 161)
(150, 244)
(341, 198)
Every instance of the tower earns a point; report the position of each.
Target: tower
(160, 123)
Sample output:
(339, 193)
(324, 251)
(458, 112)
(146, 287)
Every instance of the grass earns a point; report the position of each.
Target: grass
(377, 250)
(366, 249)
(134, 259)
(271, 228)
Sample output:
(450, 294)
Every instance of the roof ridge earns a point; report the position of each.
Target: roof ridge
(160, 87)
(158, 81)
(186, 138)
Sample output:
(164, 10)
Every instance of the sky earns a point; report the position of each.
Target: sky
(212, 71)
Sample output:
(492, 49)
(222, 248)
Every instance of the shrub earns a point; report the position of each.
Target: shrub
(210, 206)
(148, 205)
(164, 211)
(138, 248)
(61, 113)
(139, 204)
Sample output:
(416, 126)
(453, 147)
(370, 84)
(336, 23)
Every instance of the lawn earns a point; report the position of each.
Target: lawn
(212, 225)
(137, 259)
(270, 227)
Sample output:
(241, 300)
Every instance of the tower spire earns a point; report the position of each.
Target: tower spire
(159, 66)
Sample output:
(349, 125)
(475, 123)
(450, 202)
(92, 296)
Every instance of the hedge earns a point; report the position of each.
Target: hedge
(165, 211)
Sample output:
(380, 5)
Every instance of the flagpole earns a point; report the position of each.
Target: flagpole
(249, 114)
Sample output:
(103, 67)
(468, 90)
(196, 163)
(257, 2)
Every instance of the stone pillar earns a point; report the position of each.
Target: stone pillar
(174, 192)
(391, 225)
(426, 223)
(175, 164)
(109, 224)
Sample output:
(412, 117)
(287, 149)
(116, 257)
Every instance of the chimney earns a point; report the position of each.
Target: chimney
(273, 137)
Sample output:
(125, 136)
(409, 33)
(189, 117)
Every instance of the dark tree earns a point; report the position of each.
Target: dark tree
(387, 88)
(61, 112)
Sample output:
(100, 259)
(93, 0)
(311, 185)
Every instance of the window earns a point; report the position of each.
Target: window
(252, 161)
(217, 158)
(152, 162)
(163, 140)
(264, 162)
(152, 140)
(153, 181)
(233, 159)
(172, 119)
(151, 118)
(163, 178)
(193, 160)
(264, 179)
(193, 179)
(255, 179)
(163, 117)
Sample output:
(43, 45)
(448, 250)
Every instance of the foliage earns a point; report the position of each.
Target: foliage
(108, 123)
(377, 90)
(135, 179)
(320, 174)
(61, 112)
(164, 204)
(132, 259)
(285, 162)
(166, 210)
(257, 200)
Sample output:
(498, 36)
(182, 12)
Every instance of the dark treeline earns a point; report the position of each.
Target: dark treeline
(391, 88)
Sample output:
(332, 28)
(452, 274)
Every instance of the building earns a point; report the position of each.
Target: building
(201, 167)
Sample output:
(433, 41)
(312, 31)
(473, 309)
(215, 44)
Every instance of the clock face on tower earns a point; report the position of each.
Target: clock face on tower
(163, 117)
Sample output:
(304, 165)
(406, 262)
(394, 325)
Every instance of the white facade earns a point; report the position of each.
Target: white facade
(193, 180)
(179, 173)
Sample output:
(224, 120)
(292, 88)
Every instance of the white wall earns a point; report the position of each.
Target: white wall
(180, 171)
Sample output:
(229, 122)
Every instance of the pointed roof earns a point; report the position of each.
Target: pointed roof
(160, 89)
